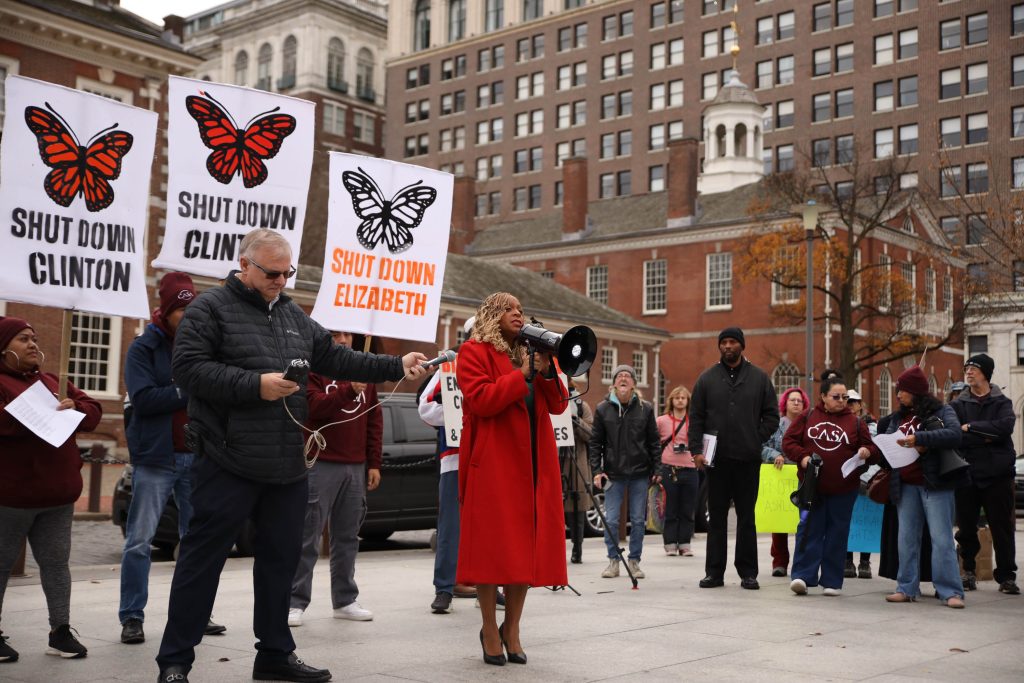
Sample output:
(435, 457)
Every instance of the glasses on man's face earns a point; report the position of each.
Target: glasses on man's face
(274, 274)
(840, 397)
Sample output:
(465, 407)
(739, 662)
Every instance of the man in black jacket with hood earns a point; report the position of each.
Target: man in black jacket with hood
(736, 402)
(229, 353)
(987, 420)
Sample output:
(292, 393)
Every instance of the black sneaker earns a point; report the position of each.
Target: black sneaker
(7, 653)
(851, 571)
(864, 570)
(290, 669)
(1009, 587)
(64, 644)
(970, 581)
(442, 603)
(132, 633)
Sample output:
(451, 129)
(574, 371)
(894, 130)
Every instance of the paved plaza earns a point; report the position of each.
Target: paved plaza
(668, 630)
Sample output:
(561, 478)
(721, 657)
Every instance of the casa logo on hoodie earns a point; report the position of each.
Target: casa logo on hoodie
(828, 436)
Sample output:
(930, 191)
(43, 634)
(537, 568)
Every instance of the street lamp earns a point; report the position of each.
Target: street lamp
(810, 215)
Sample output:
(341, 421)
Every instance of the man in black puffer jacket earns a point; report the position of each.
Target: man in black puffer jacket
(987, 420)
(229, 352)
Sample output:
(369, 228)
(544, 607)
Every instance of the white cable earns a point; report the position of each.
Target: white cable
(316, 437)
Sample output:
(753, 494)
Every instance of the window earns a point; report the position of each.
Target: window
(606, 183)
(883, 143)
(1018, 173)
(1017, 27)
(787, 261)
(534, 195)
(977, 343)
(765, 75)
(655, 286)
(364, 75)
(784, 114)
(1017, 76)
(531, 9)
(784, 158)
(709, 86)
(719, 280)
(844, 149)
(626, 102)
(289, 57)
(884, 392)
(821, 107)
(844, 57)
(658, 56)
(607, 146)
(977, 29)
(949, 83)
(1017, 122)
(640, 367)
(95, 359)
(929, 290)
(883, 49)
(242, 68)
(336, 68)
(1020, 341)
(822, 14)
(977, 128)
(822, 62)
(765, 31)
(949, 34)
(785, 70)
(421, 25)
(597, 283)
(977, 178)
(977, 78)
(908, 91)
(908, 44)
(767, 160)
(908, 139)
(519, 199)
(786, 376)
(494, 15)
(263, 62)
(787, 26)
(656, 177)
(1018, 286)
(844, 103)
(456, 20)
(951, 228)
(334, 118)
(885, 273)
(949, 181)
(883, 8)
(947, 292)
(364, 127)
(883, 96)
(844, 12)
(609, 361)
(821, 152)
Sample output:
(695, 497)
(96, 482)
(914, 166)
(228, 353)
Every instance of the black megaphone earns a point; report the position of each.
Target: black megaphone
(575, 350)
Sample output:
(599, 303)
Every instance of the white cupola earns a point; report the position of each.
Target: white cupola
(733, 139)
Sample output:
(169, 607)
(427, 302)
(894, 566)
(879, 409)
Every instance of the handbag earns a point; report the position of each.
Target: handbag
(805, 497)
(878, 486)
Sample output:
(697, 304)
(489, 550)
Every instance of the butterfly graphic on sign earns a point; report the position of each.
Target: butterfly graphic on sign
(78, 169)
(238, 151)
(386, 221)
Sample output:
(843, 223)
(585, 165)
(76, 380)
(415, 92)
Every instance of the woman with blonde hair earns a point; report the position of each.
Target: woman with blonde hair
(512, 526)
(678, 474)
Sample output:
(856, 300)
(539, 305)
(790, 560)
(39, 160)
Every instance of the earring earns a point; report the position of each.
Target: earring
(17, 359)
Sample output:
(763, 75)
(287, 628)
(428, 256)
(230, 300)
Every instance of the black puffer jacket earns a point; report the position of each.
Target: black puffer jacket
(987, 444)
(625, 442)
(227, 339)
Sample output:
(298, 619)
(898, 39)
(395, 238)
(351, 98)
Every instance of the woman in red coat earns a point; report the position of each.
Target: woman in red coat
(512, 526)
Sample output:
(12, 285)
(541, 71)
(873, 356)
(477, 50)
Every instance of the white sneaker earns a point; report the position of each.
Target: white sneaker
(295, 616)
(671, 550)
(353, 612)
(833, 592)
(798, 586)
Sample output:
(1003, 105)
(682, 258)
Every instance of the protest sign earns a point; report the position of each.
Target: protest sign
(237, 159)
(387, 244)
(774, 511)
(865, 527)
(75, 170)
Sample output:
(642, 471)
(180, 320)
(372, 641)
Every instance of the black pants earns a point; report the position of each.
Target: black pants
(997, 499)
(680, 503)
(732, 481)
(221, 503)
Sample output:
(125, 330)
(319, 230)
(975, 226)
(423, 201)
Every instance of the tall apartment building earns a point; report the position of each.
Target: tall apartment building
(330, 52)
(507, 92)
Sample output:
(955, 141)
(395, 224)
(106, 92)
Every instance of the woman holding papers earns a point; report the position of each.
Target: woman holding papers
(920, 494)
(838, 437)
(39, 483)
(512, 526)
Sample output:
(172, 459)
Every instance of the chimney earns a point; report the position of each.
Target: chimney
(574, 195)
(463, 214)
(175, 25)
(682, 178)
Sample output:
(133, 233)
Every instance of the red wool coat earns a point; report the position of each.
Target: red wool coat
(511, 531)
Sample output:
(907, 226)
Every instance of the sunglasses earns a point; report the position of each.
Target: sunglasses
(837, 397)
(274, 274)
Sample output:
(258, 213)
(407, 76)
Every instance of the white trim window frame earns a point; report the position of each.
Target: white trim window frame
(718, 282)
(95, 362)
(655, 287)
(786, 259)
(597, 283)
(640, 366)
(609, 361)
(113, 92)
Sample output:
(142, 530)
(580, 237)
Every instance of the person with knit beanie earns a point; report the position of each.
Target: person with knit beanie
(39, 484)
(161, 459)
(921, 493)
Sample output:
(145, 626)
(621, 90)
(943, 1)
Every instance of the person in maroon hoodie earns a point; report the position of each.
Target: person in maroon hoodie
(344, 471)
(39, 485)
(835, 434)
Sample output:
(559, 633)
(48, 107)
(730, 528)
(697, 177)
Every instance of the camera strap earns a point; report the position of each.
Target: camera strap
(675, 432)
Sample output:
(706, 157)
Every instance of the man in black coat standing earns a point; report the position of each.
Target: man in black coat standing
(736, 402)
(987, 420)
(229, 353)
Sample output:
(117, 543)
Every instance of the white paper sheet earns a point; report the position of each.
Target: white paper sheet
(895, 454)
(710, 441)
(36, 408)
(850, 466)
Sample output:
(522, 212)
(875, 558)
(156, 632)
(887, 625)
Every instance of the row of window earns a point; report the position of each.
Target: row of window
(289, 63)
(364, 124)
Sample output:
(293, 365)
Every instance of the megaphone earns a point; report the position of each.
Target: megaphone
(575, 350)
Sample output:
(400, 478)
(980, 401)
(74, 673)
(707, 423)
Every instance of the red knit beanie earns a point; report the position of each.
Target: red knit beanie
(176, 291)
(9, 329)
(913, 381)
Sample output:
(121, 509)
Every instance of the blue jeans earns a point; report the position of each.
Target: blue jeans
(447, 556)
(821, 541)
(917, 505)
(151, 487)
(614, 490)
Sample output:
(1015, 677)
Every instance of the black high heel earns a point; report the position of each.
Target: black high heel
(514, 657)
(496, 660)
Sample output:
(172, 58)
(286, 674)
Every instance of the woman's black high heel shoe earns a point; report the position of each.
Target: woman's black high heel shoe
(514, 657)
(496, 660)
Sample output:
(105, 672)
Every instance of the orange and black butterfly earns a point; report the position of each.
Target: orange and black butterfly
(237, 151)
(77, 169)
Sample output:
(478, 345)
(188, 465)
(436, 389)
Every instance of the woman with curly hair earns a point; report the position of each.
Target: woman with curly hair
(512, 526)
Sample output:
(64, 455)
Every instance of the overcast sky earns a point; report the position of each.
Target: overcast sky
(156, 10)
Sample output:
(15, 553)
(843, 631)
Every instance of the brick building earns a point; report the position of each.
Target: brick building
(103, 49)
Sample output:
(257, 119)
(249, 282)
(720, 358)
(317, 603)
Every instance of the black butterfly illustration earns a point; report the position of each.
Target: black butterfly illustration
(391, 221)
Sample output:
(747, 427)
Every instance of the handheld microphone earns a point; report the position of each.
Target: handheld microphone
(446, 357)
